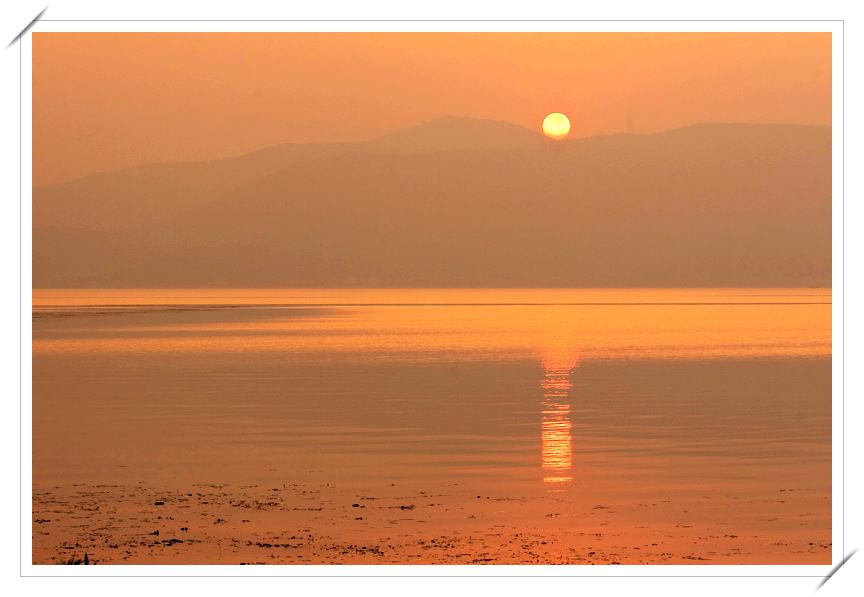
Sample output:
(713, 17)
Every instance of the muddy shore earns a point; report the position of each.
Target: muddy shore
(445, 524)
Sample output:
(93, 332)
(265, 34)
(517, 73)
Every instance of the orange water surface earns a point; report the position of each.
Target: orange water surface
(592, 395)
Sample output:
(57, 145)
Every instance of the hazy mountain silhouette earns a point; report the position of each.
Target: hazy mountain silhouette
(134, 196)
(460, 202)
(448, 133)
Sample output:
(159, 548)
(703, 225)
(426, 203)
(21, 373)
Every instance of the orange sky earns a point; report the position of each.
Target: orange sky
(104, 101)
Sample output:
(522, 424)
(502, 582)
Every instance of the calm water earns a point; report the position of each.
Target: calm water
(541, 390)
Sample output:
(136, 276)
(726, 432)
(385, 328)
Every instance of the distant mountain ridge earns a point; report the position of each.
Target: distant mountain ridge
(450, 133)
(133, 196)
(458, 202)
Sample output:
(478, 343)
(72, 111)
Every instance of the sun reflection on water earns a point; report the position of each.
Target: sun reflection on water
(559, 358)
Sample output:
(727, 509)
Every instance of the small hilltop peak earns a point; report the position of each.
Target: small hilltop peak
(446, 133)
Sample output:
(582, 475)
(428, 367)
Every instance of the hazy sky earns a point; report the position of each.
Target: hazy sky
(104, 101)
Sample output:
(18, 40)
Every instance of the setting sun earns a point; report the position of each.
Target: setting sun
(556, 125)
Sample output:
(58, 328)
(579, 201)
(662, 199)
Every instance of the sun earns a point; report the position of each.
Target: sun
(556, 125)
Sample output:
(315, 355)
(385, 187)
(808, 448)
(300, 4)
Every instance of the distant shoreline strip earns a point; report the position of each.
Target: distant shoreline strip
(214, 305)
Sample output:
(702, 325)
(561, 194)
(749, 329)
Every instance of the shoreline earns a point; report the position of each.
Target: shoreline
(135, 523)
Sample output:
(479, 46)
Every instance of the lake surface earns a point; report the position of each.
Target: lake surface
(719, 397)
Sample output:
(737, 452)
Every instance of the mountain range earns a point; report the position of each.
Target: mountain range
(457, 202)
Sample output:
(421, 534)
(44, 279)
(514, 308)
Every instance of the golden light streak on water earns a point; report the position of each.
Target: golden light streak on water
(559, 358)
